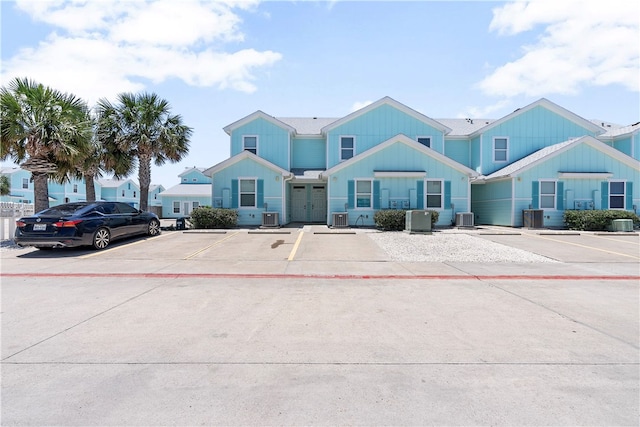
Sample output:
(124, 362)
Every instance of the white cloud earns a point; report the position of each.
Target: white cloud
(100, 49)
(359, 104)
(584, 43)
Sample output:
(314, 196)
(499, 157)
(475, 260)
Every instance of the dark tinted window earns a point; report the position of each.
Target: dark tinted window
(65, 210)
(125, 208)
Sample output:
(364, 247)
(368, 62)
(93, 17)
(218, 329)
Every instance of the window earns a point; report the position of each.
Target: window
(75, 188)
(363, 193)
(250, 143)
(247, 193)
(122, 193)
(176, 207)
(616, 194)
(500, 149)
(434, 194)
(195, 204)
(134, 194)
(347, 147)
(25, 182)
(547, 194)
(424, 140)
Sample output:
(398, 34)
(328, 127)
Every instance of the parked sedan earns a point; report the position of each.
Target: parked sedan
(84, 224)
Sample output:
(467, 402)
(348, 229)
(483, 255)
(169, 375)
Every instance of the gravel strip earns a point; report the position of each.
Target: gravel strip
(443, 247)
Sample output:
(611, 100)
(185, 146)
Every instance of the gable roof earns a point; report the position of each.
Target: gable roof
(115, 183)
(393, 103)
(403, 139)
(308, 125)
(196, 190)
(464, 127)
(616, 132)
(242, 156)
(257, 115)
(546, 153)
(545, 103)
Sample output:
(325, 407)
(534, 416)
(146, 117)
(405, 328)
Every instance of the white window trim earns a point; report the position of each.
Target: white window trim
(25, 182)
(555, 194)
(425, 136)
(506, 160)
(255, 192)
(173, 207)
(244, 147)
(426, 193)
(355, 193)
(340, 146)
(624, 194)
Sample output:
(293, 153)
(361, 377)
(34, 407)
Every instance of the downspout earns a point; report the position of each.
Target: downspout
(513, 202)
(285, 179)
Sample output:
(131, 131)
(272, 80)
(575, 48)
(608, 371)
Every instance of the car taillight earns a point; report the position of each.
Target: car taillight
(20, 224)
(61, 224)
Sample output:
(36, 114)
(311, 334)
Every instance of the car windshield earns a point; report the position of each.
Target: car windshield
(64, 210)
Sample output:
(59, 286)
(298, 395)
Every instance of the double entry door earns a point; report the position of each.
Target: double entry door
(308, 203)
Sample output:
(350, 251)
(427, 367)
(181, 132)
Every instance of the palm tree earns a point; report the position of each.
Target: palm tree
(143, 126)
(42, 128)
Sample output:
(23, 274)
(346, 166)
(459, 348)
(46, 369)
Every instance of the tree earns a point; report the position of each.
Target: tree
(143, 126)
(43, 129)
(5, 185)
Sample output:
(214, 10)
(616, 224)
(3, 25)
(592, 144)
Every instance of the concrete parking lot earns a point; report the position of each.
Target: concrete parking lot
(311, 326)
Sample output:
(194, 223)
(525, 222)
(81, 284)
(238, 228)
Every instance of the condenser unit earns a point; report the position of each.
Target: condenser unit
(417, 221)
(533, 218)
(622, 225)
(340, 220)
(270, 219)
(464, 219)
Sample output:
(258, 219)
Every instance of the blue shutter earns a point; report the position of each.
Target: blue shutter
(629, 196)
(535, 194)
(420, 194)
(560, 195)
(260, 195)
(234, 194)
(447, 195)
(376, 194)
(604, 193)
(351, 193)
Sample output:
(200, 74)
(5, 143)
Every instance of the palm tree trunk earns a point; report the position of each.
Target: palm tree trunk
(90, 188)
(40, 191)
(144, 178)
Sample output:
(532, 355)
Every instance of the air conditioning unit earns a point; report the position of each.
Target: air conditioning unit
(417, 222)
(340, 220)
(622, 225)
(464, 219)
(533, 218)
(270, 219)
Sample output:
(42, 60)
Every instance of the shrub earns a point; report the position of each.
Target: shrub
(394, 220)
(207, 217)
(595, 220)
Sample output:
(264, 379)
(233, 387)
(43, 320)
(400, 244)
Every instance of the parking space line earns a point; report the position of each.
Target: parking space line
(115, 248)
(295, 246)
(210, 246)
(616, 240)
(584, 246)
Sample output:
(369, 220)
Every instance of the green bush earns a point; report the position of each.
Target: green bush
(394, 220)
(595, 220)
(207, 217)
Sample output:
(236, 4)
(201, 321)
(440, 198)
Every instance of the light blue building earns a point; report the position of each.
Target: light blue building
(389, 156)
(193, 191)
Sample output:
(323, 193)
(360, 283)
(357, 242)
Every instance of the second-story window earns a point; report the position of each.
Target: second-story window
(75, 188)
(250, 143)
(25, 182)
(122, 193)
(424, 140)
(347, 147)
(500, 149)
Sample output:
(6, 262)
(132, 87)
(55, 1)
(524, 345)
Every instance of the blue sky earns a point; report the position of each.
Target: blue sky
(216, 62)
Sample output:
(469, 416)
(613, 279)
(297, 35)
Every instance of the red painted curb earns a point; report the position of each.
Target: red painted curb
(315, 276)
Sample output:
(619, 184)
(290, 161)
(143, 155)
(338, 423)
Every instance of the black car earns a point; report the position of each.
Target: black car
(84, 224)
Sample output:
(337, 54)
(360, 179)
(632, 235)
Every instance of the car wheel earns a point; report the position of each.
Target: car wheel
(101, 238)
(154, 227)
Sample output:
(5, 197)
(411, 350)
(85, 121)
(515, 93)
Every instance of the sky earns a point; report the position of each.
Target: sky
(216, 62)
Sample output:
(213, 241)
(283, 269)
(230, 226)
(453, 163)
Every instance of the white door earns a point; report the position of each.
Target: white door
(299, 203)
(319, 204)
(187, 208)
